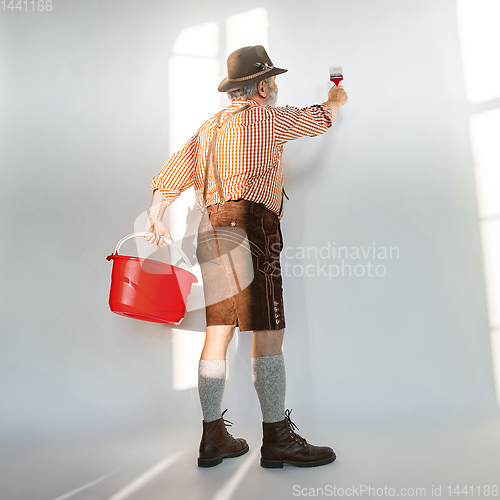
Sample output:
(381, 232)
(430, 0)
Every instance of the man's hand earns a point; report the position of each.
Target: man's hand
(154, 224)
(157, 230)
(337, 97)
(338, 94)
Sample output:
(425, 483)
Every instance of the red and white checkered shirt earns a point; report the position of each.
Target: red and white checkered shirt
(249, 154)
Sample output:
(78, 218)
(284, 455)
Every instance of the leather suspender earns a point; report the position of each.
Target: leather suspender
(281, 207)
(212, 156)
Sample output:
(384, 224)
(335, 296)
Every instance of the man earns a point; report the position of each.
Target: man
(239, 246)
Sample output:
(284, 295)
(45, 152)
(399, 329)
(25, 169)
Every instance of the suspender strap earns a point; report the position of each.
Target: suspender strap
(212, 160)
(281, 207)
(212, 156)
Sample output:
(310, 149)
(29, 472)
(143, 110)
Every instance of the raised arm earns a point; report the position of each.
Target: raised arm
(291, 122)
(337, 97)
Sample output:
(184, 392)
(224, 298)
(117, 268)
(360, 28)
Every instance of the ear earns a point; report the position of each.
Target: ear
(261, 89)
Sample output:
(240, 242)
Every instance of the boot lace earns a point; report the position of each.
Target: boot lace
(292, 427)
(226, 422)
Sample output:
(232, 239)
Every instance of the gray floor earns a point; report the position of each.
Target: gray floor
(161, 464)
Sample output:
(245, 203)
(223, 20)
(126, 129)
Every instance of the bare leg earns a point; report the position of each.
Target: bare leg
(217, 341)
(267, 342)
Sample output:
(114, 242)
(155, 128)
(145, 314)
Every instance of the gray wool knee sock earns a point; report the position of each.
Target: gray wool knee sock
(269, 380)
(211, 381)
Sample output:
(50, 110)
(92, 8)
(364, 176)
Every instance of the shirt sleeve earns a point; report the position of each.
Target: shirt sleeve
(177, 174)
(291, 123)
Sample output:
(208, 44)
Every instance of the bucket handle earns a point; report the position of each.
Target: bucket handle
(136, 235)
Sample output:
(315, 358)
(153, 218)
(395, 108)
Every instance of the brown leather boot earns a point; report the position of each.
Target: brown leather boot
(217, 443)
(281, 445)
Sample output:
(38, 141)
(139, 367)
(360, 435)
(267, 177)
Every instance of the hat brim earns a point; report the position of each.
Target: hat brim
(227, 86)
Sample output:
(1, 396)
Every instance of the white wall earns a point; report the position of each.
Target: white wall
(84, 128)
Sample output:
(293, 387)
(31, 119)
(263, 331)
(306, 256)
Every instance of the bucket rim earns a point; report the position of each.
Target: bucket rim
(176, 269)
(136, 235)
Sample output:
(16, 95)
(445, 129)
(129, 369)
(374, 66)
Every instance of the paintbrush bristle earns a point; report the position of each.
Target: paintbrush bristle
(335, 71)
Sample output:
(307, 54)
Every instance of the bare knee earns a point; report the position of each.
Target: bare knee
(267, 342)
(219, 335)
(221, 332)
(217, 341)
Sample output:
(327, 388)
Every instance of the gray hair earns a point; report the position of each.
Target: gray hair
(246, 92)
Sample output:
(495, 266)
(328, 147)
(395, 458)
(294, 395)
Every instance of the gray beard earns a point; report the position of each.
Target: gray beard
(273, 97)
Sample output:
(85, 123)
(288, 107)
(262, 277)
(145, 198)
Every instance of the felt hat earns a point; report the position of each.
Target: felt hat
(246, 66)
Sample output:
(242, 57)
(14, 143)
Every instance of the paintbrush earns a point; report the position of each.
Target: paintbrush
(336, 75)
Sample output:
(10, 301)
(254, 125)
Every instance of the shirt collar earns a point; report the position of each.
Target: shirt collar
(241, 102)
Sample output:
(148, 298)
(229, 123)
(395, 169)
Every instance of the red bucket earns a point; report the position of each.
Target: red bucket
(147, 289)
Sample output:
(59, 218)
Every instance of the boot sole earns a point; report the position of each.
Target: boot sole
(212, 462)
(278, 464)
